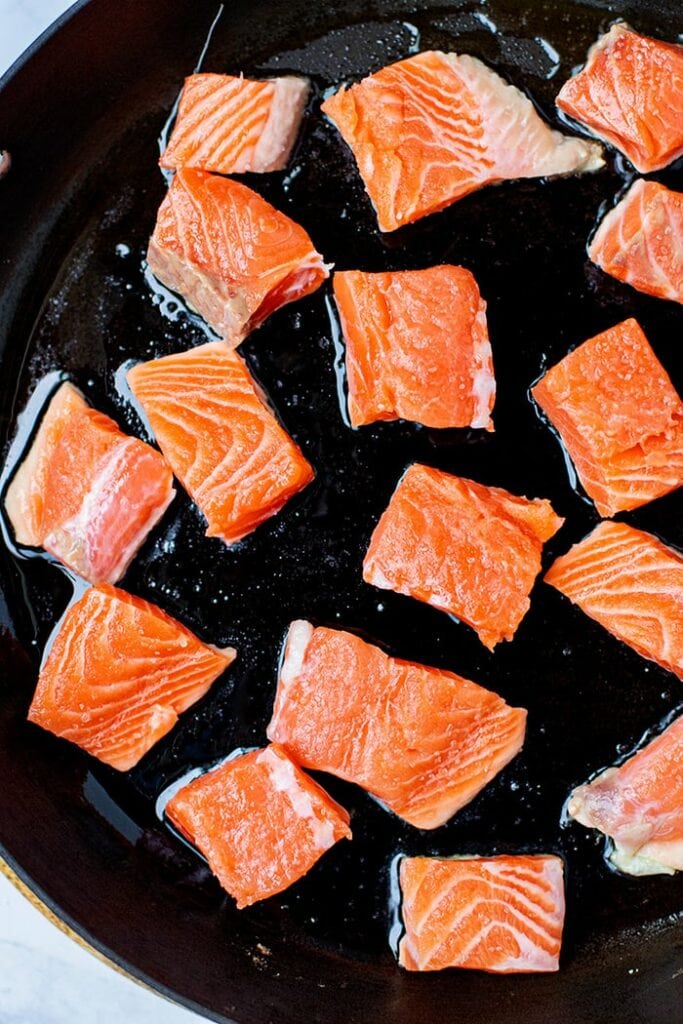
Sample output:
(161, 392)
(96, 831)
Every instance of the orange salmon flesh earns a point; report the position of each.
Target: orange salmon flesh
(220, 438)
(430, 129)
(232, 125)
(421, 740)
(631, 584)
(630, 93)
(86, 492)
(619, 418)
(499, 914)
(260, 822)
(469, 550)
(417, 347)
(232, 256)
(119, 673)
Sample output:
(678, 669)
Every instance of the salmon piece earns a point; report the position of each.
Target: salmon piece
(417, 347)
(640, 241)
(499, 914)
(469, 550)
(260, 822)
(220, 438)
(86, 492)
(630, 94)
(421, 740)
(232, 256)
(232, 125)
(430, 129)
(619, 417)
(631, 584)
(639, 806)
(119, 673)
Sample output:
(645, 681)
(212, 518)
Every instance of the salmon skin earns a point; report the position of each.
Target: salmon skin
(470, 550)
(640, 241)
(232, 256)
(630, 94)
(619, 418)
(119, 673)
(86, 492)
(499, 914)
(260, 822)
(421, 740)
(639, 806)
(417, 347)
(631, 584)
(232, 125)
(221, 439)
(430, 129)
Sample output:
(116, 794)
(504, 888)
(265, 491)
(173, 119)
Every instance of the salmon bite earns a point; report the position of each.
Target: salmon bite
(430, 129)
(119, 674)
(232, 256)
(423, 741)
(86, 492)
(232, 125)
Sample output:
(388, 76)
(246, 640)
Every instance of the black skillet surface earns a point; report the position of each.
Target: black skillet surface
(81, 116)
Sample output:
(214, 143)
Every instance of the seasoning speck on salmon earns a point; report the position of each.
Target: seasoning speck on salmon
(639, 806)
(631, 584)
(232, 125)
(119, 673)
(619, 418)
(430, 129)
(417, 347)
(470, 550)
(260, 822)
(499, 914)
(220, 438)
(422, 740)
(232, 256)
(630, 93)
(86, 492)
(640, 241)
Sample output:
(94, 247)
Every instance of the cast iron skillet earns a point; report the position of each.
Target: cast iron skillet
(81, 114)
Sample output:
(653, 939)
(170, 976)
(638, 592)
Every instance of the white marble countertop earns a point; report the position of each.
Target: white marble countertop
(45, 978)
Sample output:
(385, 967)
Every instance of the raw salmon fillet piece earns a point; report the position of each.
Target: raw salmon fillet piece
(232, 125)
(630, 93)
(639, 805)
(469, 550)
(421, 740)
(619, 417)
(417, 347)
(430, 129)
(119, 673)
(260, 822)
(498, 914)
(86, 492)
(220, 438)
(232, 256)
(640, 241)
(631, 584)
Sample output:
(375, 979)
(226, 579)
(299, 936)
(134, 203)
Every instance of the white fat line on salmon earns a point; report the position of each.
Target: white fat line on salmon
(71, 537)
(283, 125)
(296, 644)
(484, 382)
(283, 777)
